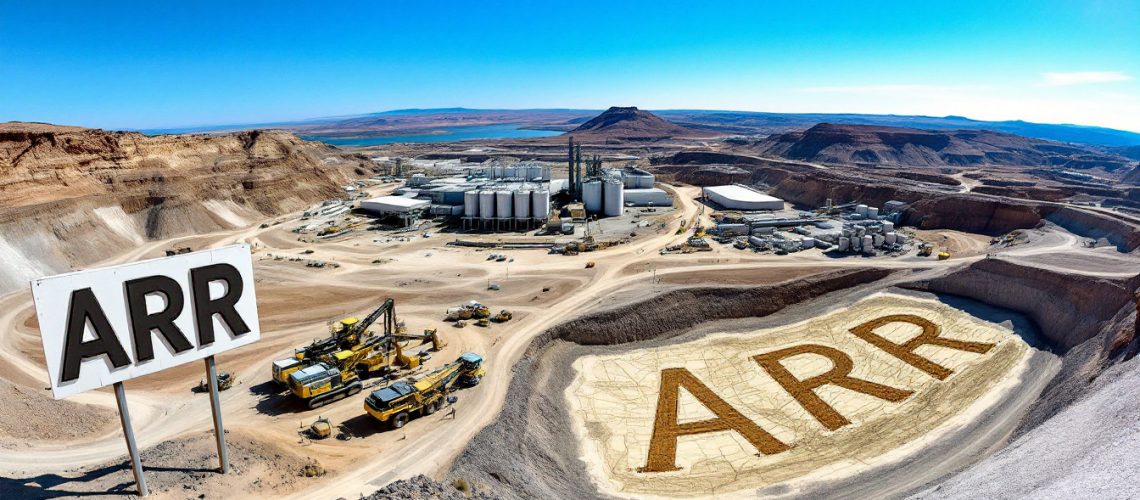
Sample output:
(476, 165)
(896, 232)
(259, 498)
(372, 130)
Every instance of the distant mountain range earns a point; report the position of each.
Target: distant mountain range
(409, 121)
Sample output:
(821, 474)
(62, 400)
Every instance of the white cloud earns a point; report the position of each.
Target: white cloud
(889, 88)
(1082, 78)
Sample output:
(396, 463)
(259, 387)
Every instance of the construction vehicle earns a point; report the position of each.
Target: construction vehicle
(346, 334)
(178, 251)
(483, 322)
(396, 404)
(944, 254)
(503, 316)
(470, 310)
(925, 250)
(321, 383)
(225, 381)
(320, 429)
(590, 265)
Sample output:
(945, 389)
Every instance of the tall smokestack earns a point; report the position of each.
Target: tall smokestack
(578, 170)
(570, 166)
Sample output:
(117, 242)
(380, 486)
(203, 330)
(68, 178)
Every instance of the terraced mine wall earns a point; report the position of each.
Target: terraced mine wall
(529, 452)
(1090, 321)
(70, 197)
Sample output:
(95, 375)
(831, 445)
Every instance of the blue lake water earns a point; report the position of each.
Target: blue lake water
(449, 134)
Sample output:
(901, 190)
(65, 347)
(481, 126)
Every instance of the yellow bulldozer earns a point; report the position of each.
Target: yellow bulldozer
(398, 403)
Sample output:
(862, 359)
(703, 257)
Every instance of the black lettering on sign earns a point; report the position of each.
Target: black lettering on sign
(205, 309)
(85, 308)
(142, 324)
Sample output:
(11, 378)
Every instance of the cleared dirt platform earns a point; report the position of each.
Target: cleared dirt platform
(847, 430)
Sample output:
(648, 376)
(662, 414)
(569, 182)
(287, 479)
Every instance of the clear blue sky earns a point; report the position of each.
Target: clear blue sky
(158, 64)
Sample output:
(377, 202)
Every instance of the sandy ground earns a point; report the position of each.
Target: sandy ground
(296, 303)
(613, 400)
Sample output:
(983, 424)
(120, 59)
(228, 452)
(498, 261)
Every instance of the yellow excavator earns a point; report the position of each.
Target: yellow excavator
(347, 334)
(396, 404)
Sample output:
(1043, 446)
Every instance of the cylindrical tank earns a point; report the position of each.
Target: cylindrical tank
(872, 212)
(844, 243)
(756, 241)
(486, 204)
(503, 200)
(860, 232)
(522, 204)
(879, 240)
(900, 239)
(856, 243)
(592, 196)
(764, 230)
(868, 244)
(540, 204)
(890, 238)
(861, 209)
(888, 226)
(511, 171)
(534, 173)
(546, 172)
(471, 204)
(614, 198)
(808, 242)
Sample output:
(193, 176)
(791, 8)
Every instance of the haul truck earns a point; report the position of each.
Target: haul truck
(396, 404)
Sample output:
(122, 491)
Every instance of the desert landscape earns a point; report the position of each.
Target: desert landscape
(977, 339)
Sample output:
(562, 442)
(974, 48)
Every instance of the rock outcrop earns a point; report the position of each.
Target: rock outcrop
(72, 196)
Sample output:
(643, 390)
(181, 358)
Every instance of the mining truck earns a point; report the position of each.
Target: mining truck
(396, 404)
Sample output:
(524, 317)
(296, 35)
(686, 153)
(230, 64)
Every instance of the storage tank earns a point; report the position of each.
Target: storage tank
(522, 204)
(614, 198)
(503, 200)
(888, 226)
(471, 204)
(900, 239)
(592, 196)
(879, 240)
(856, 243)
(757, 241)
(486, 205)
(534, 173)
(868, 244)
(861, 209)
(510, 172)
(764, 230)
(844, 243)
(872, 213)
(540, 204)
(808, 242)
(890, 238)
(732, 229)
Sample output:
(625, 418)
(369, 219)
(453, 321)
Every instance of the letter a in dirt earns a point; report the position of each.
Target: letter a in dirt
(666, 429)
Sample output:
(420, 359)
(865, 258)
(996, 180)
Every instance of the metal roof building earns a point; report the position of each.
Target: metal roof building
(739, 197)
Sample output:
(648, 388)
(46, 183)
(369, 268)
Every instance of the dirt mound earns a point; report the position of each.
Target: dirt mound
(875, 145)
(423, 488)
(74, 196)
(630, 124)
(30, 414)
(184, 467)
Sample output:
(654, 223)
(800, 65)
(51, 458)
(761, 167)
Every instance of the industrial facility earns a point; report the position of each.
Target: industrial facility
(518, 196)
(854, 227)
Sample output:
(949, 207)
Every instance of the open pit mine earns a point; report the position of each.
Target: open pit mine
(634, 306)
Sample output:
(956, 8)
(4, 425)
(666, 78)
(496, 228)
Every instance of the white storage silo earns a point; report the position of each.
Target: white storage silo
(888, 226)
(879, 240)
(511, 171)
(613, 198)
(856, 243)
(540, 204)
(503, 200)
(900, 239)
(808, 243)
(486, 205)
(844, 243)
(522, 204)
(861, 209)
(592, 196)
(534, 172)
(890, 238)
(872, 213)
(471, 204)
(868, 244)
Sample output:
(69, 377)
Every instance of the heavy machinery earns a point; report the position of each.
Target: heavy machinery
(396, 404)
(503, 316)
(944, 254)
(470, 310)
(346, 334)
(925, 250)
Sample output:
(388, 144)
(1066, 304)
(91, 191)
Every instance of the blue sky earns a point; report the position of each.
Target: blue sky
(176, 64)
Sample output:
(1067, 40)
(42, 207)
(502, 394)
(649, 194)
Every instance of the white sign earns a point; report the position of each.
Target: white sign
(103, 326)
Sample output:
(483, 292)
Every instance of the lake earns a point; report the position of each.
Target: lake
(449, 134)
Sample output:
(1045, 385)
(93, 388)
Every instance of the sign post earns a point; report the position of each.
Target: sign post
(99, 327)
(129, 433)
(216, 408)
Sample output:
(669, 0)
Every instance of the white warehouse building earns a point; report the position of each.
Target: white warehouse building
(739, 197)
(393, 205)
(651, 197)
